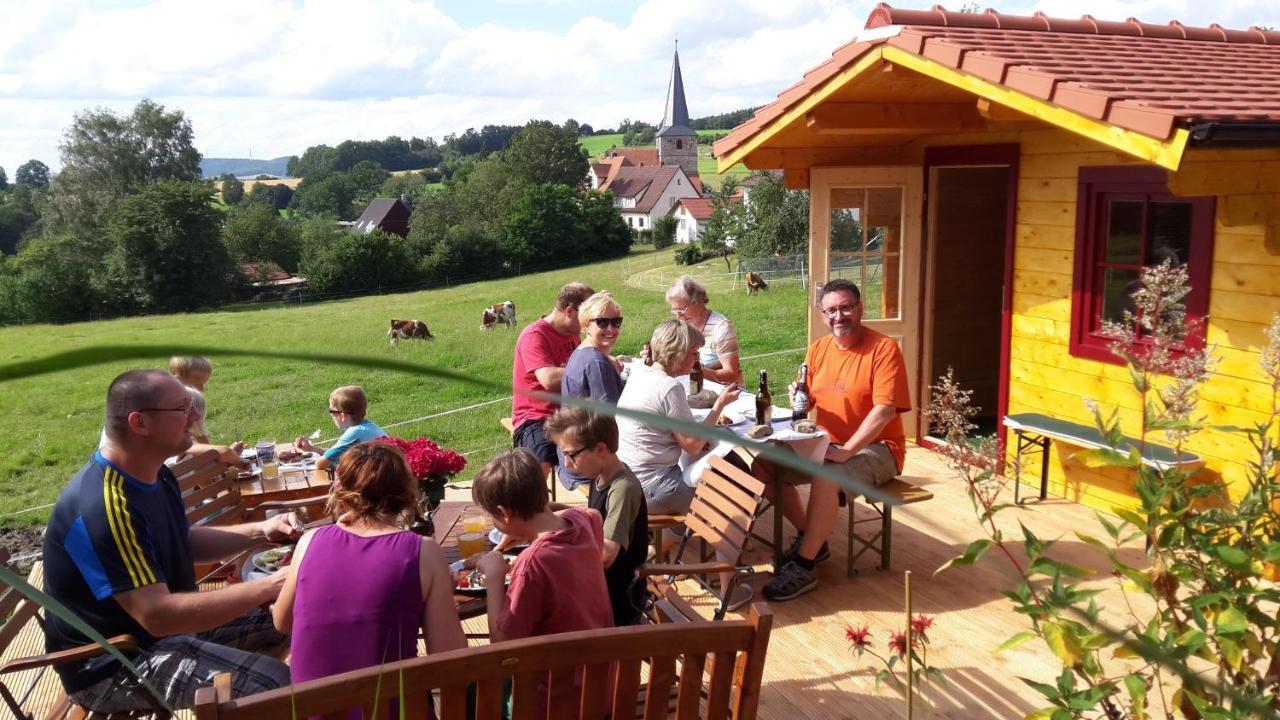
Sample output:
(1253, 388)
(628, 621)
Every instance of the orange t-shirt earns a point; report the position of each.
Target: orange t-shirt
(846, 384)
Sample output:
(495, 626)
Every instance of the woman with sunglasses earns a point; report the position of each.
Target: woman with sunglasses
(591, 371)
(719, 354)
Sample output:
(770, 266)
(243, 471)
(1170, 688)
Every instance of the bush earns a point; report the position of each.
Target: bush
(50, 281)
(348, 261)
(664, 232)
(690, 254)
(644, 237)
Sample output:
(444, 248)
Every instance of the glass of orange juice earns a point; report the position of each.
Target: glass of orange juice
(470, 543)
(474, 523)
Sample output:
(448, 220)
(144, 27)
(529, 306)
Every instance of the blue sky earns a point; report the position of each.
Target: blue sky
(272, 77)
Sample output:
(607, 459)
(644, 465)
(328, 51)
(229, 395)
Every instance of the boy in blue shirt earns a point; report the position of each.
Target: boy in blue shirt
(347, 406)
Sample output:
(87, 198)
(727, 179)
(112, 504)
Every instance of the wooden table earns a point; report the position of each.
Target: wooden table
(448, 524)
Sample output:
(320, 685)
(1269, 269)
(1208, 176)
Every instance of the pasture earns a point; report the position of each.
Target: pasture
(52, 422)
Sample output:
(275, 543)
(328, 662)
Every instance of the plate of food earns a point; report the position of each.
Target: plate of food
(470, 581)
(496, 536)
(728, 419)
(273, 560)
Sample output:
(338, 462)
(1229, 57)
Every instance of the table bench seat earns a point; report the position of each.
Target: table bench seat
(1034, 430)
(880, 543)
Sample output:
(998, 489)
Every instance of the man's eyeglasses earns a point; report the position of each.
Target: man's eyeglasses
(572, 455)
(603, 323)
(840, 310)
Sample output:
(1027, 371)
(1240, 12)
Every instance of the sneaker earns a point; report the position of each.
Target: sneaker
(824, 552)
(742, 595)
(792, 581)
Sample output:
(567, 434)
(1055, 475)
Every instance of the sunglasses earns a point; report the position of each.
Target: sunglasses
(603, 323)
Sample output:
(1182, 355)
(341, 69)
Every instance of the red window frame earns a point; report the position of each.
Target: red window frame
(1098, 185)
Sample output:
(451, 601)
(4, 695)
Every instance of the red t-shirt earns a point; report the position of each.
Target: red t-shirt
(557, 584)
(846, 384)
(538, 346)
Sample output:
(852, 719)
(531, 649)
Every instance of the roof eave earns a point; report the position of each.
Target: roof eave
(1224, 134)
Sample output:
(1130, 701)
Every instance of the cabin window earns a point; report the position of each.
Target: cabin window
(1127, 219)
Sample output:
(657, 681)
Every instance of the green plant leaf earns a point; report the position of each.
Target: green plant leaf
(1062, 641)
(1014, 641)
(1104, 457)
(1137, 687)
(1233, 556)
(1231, 651)
(1230, 622)
(1041, 714)
(971, 554)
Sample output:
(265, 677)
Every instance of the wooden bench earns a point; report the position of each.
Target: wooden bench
(880, 543)
(1034, 430)
(732, 653)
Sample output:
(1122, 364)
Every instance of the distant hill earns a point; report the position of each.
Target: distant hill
(243, 167)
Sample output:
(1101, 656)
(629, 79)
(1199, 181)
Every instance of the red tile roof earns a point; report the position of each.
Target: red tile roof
(630, 181)
(699, 208)
(643, 157)
(1144, 77)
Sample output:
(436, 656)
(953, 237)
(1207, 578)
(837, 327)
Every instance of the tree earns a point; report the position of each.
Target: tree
(18, 218)
(366, 178)
(545, 153)
(776, 220)
(106, 157)
(327, 194)
(50, 280)
(33, 173)
(276, 196)
(232, 189)
(607, 233)
(254, 233)
(346, 261)
(544, 225)
(664, 231)
(166, 252)
(4, 180)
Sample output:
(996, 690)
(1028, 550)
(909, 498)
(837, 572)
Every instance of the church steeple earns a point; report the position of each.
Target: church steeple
(675, 118)
(677, 142)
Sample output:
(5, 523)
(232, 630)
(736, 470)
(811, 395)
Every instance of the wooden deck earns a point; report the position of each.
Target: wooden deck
(810, 672)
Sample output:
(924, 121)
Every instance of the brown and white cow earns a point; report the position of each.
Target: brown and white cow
(408, 330)
(755, 281)
(503, 313)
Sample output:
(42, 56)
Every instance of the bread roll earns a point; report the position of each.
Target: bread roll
(760, 431)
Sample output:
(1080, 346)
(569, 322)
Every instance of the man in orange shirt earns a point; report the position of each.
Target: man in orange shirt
(858, 386)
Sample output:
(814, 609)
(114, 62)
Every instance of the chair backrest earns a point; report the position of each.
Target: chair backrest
(17, 611)
(196, 470)
(723, 508)
(215, 501)
(731, 653)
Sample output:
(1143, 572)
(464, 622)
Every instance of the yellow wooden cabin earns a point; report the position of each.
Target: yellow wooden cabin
(1010, 176)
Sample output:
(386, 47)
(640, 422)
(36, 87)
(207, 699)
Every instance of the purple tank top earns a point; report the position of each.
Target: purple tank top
(358, 603)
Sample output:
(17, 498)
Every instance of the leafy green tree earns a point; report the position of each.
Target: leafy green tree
(464, 252)
(327, 194)
(347, 261)
(547, 153)
(18, 217)
(232, 189)
(33, 173)
(366, 179)
(254, 233)
(106, 157)
(4, 180)
(165, 250)
(776, 220)
(606, 232)
(315, 160)
(664, 231)
(277, 196)
(544, 225)
(410, 185)
(719, 234)
(50, 280)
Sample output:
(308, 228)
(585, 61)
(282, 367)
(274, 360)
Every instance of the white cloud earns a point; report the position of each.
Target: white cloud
(276, 76)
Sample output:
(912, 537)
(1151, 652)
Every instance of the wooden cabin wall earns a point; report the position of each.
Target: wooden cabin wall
(1045, 378)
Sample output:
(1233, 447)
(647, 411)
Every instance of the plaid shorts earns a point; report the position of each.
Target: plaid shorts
(178, 665)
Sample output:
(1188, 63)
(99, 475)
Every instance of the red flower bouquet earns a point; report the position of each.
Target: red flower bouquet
(432, 465)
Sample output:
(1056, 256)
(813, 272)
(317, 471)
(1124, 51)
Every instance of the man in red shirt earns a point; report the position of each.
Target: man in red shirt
(542, 351)
(858, 387)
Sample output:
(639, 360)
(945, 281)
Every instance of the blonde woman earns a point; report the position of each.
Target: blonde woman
(591, 371)
(719, 354)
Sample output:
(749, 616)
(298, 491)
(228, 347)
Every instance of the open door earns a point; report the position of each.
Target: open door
(864, 225)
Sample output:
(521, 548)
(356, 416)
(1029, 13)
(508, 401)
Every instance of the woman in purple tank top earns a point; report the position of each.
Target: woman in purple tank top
(358, 591)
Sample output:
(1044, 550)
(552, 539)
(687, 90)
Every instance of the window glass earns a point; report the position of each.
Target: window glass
(1170, 233)
(1124, 231)
(866, 245)
(1117, 287)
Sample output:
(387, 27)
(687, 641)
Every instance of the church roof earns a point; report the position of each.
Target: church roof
(675, 117)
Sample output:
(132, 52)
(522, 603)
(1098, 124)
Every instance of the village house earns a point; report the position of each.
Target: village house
(692, 213)
(1011, 176)
(390, 215)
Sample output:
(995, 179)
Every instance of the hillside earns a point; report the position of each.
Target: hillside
(243, 167)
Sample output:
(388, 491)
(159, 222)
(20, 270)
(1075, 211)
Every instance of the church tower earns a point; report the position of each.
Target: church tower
(677, 142)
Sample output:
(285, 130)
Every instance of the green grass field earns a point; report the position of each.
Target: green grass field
(52, 422)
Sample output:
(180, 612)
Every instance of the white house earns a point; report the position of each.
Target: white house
(643, 194)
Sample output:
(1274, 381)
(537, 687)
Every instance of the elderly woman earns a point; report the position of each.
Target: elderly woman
(719, 355)
(653, 453)
(591, 371)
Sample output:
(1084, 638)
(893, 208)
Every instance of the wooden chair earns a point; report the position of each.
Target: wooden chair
(608, 661)
(720, 517)
(24, 618)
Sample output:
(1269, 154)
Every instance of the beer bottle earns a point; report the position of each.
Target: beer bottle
(764, 401)
(646, 355)
(695, 378)
(800, 401)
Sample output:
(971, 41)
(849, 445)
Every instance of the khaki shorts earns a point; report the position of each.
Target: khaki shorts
(874, 465)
